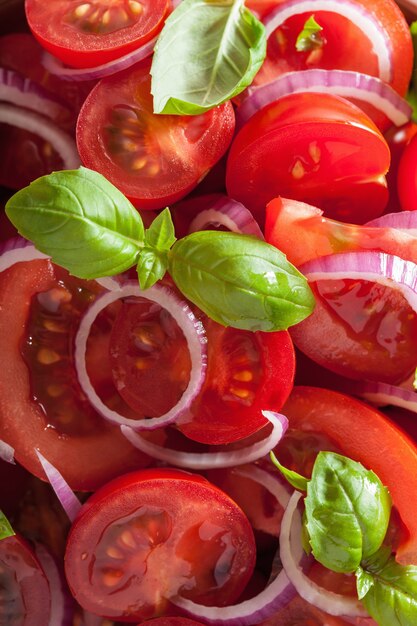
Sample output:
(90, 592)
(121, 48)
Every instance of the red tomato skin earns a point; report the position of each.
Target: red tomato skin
(154, 487)
(365, 435)
(397, 139)
(407, 177)
(314, 148)
(81, 49)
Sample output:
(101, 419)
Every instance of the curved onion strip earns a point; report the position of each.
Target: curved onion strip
(385, 269)
(354, 12)
(7, 452)
(229, 213)
(276, 594)
(62, 604)
(327, 601)
(403, 220)
(63, 143)
(18, 250)
(63, 491)
(343, 83)
(384, 394)
(211, 460)
(22, 91)
(191, 327)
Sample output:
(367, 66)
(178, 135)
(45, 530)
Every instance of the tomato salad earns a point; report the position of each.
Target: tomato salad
(207, 411)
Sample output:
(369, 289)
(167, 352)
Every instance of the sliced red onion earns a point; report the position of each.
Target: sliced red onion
(18, 250)
(327, 601)
(347, 84)
(211, 460)
(194, 334)
(229, 213)
(7, 452)
(378, 267)
(403, 220)
(63, 491)
(355, 12)
(22, 91)
(63, 143)
(62, 604)
(276, 594)
(383, 394)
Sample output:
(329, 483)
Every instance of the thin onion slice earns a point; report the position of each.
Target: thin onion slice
(276, 594)
(7, 452)
(62, 604)
(228, 213)
(63, 143)
(63, 491)
(345, 83)
(353, 11)
(211, 460)
(327, 601)
(192, 329)
(403, 220)
(18, 250)
(383, 394)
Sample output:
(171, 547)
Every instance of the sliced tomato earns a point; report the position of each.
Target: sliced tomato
(171, 621)
(407, 177)
(345, 41)
(397, 139)
(41, 404)
(85, 34)
(316, 148)
(300, 613)
(152, 159)
(25, 598)
(152, 535)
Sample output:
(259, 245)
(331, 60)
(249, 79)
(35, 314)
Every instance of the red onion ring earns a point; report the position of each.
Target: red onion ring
(327, 601)
(7, 452)
(403, 220)
(191, 327)
(22, 91)
(379, 40)
(276, 594)
(383, 394)
(63, 491)
(63, 143)
(347, 84)
(18, 250)
(229, 213)
(211, 460)
(62, 604)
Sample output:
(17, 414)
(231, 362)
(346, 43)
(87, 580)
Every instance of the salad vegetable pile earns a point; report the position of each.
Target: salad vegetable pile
(208, 313)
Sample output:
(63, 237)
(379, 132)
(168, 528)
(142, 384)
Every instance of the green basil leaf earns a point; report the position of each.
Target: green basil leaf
(151, 267)
(240, 281)
(81, 220)
(207, 53)
(161, 233)
(293, 478)
(309, 38)
(5, 528)
(347, 510)
(391, 593)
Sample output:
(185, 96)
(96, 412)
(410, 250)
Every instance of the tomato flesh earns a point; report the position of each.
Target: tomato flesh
(152, 535)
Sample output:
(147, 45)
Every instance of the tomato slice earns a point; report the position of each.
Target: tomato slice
(407, 177)
(171, 621)
(41, 404)
(152, 535)
(152, 159)
(85, 34)
(316, 148)
(25, 598)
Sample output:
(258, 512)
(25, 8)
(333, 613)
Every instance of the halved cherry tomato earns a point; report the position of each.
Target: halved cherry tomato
(41, 405)
(152, 159)
(407, 177)
(150, 536)
(85, 34)
(25, 598)
(397, 139)
(317, 148)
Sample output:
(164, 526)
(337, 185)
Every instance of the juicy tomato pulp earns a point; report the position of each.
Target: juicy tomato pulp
(85, 34)
(150, 536)
(25, 598)
(317, 148)
(41, 404)
(153, 159)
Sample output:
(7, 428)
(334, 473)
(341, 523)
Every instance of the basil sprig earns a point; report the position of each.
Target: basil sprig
(5, 528)
(88, 227)
(218, 45)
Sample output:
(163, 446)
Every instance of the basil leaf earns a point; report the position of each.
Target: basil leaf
(81, 220)
(161, 233)
(309, 38)
(293, 478)
(5, 528)
(240, 281)
(151, 267)
(347, 511)
(218, 45)
(390, 593)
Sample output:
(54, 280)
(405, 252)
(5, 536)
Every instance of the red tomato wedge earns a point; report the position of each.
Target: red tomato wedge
(41, 404)
(86, 34)
(152, 535)
(317, 148)
(153, 159)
